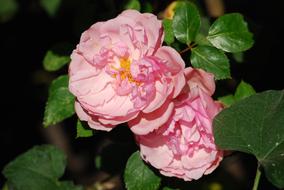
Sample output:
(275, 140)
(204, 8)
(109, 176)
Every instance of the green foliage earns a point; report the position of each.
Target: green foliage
(82, 130)
(8, 9)
(230, 33)
(53, 61)
(168, 29)
(133, 4)
(243, 90)
(138, 176)
(51, 6)
(60, 103)
(212, 60)
(186, 22)
(38, 168)
(227, 100)
(255, 125)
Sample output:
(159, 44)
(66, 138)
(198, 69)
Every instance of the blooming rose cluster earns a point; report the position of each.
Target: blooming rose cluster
(120, 72)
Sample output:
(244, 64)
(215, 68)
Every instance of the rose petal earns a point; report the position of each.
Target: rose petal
(146, 123)
(201, 79)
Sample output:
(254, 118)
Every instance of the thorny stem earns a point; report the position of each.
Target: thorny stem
(257, 177)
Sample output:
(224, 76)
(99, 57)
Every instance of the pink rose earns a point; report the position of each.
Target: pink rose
(119, 70)
(184, 146)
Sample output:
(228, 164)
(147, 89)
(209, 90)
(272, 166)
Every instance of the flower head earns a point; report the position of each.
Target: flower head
(184, 145)
(120, 70)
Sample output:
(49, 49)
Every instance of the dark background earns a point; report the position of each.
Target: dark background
(25, 39)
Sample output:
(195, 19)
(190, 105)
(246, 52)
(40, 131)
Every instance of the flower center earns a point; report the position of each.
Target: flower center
(125, 72)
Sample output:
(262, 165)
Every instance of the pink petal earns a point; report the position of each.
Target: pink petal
(162, 93)
(146, 123)
(172, 58)
(88, 81)
(196, 173)
(98, 126)
(92, 122)
(159, 155)
(83, 116)
(152, 27)
(175, 64)
(201, 79)
(199, 159)
(215, 164)
(118, 120)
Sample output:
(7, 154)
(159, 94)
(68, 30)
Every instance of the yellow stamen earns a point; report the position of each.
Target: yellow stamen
(125, 64)
(125, 71)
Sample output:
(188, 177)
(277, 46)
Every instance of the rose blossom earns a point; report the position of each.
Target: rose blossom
(184, 146)
(120, 69)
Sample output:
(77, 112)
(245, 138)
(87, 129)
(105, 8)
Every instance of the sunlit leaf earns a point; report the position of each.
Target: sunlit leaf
(227, 100)
(168, 30)
(230, 33)
(53, 61)
(243, 90)
(83, 131)
(60, 103)
(186, 22)
(212, 60)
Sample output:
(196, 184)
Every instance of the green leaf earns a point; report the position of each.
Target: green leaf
(255, 125)
(230, 33)
(212, 60)
(133, 4)
(243, 90)
(8, 9)
(50, 6)
(83, 131)
(57, 56)
(227, 100)
(38, 168)
(186, 22)
(60, 103)
(138, 176)
(53, 61)
(168, 29)
(200, 39)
